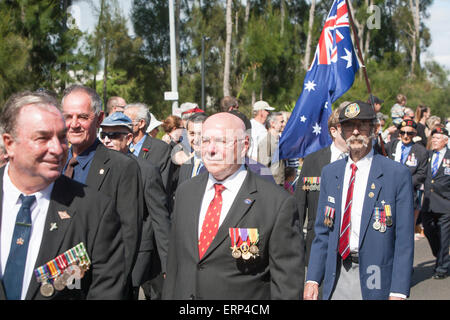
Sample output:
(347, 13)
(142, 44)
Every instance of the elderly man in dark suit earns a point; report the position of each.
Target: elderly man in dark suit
(107, 171)
(144, 146)
(45, 215)
(436, 203)
(151, 261)
(308, 185)
(234, 234)
(412, 155)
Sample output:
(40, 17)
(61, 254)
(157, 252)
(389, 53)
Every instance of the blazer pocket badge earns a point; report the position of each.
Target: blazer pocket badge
(329, 216)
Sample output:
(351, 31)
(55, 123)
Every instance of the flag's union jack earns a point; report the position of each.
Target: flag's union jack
(331, 74)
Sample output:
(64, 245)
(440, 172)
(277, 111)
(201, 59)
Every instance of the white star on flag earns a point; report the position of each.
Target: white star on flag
(348, 58)
(302, 118)
(310, 85)
(326, 105)
(317, 129)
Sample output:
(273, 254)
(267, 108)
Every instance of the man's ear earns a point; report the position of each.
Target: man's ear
(141, 124)
(8, 141)
(334, 132)
(100, 117)
(129, 138)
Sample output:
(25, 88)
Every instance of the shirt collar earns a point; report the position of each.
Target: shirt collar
(140, 142)
(231, 182)
(86, 156)
(14, 192)
(364, 162)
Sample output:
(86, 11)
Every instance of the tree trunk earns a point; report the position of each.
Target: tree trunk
(312, 10)
(226, 72)
(414, 7)
(105, 75)
(247, 11)
(282, 16)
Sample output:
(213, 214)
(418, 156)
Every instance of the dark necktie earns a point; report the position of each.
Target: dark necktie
(344, 239)
(435, 167)
(70, 167)
(211, 222)
(15, 267)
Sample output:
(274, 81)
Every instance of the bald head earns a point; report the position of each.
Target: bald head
(224, 144)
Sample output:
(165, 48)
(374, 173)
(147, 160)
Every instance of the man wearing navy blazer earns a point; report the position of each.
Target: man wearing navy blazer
(207, 259)
(364, 242)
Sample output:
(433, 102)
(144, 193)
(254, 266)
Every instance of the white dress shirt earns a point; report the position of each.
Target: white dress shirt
(258, 133)
(441, 156)
(10, 208)
(359, 192)
(232, 185)
(336, 154)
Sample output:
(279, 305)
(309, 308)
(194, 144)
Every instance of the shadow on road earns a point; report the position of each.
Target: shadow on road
(423, 271)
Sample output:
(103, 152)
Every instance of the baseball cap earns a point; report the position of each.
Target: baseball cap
(357, 110)
(262, 105)
(153, 123)
(117, 119)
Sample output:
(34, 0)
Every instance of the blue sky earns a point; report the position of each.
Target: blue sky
(437, 22)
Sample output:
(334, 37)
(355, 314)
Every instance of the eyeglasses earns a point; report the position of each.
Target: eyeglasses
(111, 135)
(409, 133)
(220, 142)
(360, 125)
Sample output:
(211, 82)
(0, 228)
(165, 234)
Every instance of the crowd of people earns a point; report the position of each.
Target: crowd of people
(96, 206)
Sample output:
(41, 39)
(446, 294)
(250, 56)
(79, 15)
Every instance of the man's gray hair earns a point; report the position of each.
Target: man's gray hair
(12, 108)
(142, 112)
(96, 101)
(273, 117)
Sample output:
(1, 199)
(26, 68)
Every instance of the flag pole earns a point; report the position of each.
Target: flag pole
(363, 66)
(355, 34)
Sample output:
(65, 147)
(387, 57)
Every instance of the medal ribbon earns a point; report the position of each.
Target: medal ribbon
(244, 234)
(253, 235)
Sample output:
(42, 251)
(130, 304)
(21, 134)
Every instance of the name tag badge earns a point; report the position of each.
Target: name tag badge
(331, 199)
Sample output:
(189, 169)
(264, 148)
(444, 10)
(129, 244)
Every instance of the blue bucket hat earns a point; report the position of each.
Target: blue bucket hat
(117, 119)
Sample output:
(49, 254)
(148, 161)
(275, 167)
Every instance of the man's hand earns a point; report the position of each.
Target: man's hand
(311, 291)
(395, 298)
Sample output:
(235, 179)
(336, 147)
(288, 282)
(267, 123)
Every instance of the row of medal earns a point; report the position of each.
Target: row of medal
(311, 184)
(243, 243)
(59, 272)
(383, 218)
(411, 160)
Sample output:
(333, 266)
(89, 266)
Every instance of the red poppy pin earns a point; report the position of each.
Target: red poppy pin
(145, 149)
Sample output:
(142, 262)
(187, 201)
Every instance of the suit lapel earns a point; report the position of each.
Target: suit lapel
(338, 184)
(241, 205)
(2, 172)
(195, 202)
(145, 145)
(58, 220)
(373, 189)
(99, 168)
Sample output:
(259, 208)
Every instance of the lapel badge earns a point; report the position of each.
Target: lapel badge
(53, 226)
(371, 194)
(63, 215)
(102, 171)
(20, 241)
(372, 186)
(248, 201)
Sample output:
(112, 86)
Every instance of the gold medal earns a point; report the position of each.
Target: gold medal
(47, 289)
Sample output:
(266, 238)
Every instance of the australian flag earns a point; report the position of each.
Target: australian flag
(330, 75)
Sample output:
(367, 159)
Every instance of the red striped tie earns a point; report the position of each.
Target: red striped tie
(344, 238)
(211, 222)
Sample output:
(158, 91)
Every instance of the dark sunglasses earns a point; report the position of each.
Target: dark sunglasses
(111, 135)
(410, 133)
